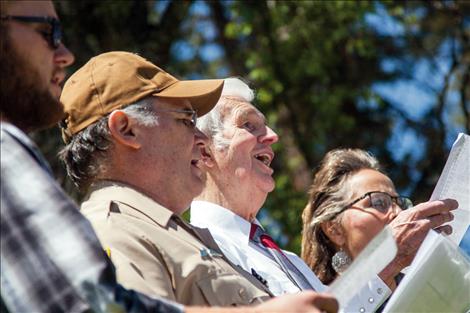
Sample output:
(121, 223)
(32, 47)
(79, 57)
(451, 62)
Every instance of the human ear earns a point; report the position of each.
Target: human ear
(122, 129)
(334, 232)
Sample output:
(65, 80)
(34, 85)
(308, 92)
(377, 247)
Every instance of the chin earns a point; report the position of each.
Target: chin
(199, 179)
(269, 186)
(196, 187)
(266, 188)
(56, 93)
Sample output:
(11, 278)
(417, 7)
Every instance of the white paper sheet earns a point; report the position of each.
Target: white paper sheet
(438, 280)
(454, 183)
(371, 261)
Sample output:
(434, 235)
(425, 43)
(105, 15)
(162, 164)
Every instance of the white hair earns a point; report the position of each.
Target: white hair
(212, 123)
(235, 87)
(86, 155)
(142, 111)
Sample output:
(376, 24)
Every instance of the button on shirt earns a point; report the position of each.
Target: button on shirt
(157, 253)
(231, 232)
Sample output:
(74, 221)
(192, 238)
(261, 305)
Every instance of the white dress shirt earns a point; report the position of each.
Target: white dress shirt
(232, 234)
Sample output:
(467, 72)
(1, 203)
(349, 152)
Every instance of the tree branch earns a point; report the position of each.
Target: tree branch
(230, 45)
(169, 28)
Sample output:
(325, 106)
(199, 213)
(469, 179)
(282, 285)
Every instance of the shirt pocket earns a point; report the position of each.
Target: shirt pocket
(230, 290)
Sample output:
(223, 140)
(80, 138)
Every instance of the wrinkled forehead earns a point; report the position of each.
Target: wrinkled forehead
(366, 180)
(235, 108)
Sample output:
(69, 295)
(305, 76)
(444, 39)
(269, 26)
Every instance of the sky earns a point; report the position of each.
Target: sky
(413, 96)
(465, 243)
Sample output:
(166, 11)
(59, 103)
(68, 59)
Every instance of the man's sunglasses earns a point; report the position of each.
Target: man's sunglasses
(53, 37)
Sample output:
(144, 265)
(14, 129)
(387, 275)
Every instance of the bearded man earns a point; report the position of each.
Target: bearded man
(51, 259)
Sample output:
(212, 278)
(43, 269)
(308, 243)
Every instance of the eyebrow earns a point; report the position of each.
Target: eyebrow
(185, 111)
(250, 112)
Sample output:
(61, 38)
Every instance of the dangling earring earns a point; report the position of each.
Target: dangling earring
(340, 261)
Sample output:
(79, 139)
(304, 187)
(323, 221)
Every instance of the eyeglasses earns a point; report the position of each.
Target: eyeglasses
(54, 36)
(192, 122)
(382, 201)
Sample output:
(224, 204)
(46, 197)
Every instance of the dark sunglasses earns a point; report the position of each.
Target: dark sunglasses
(382, 201)
(53, 37)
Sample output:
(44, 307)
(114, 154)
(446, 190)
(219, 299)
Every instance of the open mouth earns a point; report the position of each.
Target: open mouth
(58, 76)
(265, 158)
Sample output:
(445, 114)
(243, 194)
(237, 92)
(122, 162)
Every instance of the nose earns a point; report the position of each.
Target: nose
(63, 56)
(199, 137)
(394, 211)
(270, 137)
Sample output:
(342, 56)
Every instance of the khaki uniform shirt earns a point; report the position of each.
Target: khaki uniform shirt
(157, 253)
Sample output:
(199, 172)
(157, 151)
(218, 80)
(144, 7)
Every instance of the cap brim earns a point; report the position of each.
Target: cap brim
(203, 94)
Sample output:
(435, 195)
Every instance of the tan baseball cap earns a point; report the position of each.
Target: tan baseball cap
(112, 80)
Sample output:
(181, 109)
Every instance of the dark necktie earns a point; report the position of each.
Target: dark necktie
(266, 243)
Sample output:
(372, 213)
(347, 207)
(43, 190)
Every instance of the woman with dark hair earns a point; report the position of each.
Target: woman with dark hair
(350, 201)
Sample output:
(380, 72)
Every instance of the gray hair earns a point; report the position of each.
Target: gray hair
(212, 123)
(85, 155)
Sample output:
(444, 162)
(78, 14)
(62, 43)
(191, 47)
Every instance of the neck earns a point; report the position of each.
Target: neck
(239, 204)
(134, 173)
(178, 207)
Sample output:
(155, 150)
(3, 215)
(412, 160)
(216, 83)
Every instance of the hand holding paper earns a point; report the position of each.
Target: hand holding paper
(454, 183)
(409, 229)
(437, 281)
(439, 278)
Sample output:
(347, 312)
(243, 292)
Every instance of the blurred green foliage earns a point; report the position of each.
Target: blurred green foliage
(313, 64)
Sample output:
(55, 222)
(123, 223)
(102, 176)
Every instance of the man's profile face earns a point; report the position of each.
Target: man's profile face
(245, 164)
(32, 70)
(172, 152)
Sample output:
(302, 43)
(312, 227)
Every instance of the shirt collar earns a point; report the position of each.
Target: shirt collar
(30, 146)
(213, 216)
(142, 204)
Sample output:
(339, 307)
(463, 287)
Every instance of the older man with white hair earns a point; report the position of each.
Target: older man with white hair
(239, 177)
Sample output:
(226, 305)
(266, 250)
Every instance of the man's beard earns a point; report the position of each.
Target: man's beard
(25, 100)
